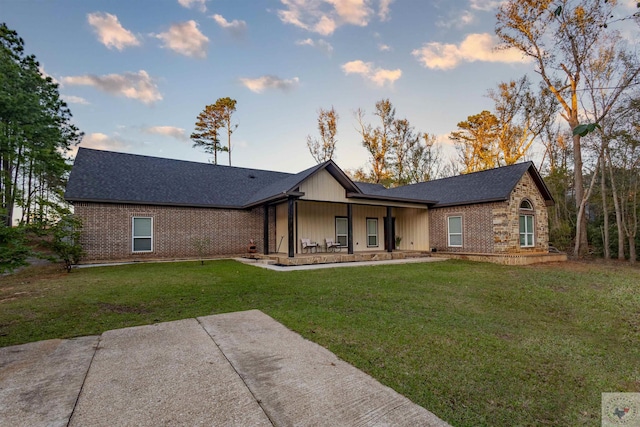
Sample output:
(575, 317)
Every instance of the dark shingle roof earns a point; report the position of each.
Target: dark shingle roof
(370, 188)
(118, 177)
(478, 187)
(103, 176)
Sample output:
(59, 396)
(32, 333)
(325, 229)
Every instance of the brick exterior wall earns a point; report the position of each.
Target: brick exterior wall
(477, 229)
(177, 231)
(493, 227)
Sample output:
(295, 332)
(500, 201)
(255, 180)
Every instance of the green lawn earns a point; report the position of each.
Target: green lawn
(477, 344)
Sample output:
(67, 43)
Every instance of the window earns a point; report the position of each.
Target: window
(526, 231)
(142, 234)
(372, 232)
(526, 224)
(342, 231)
(455, 231)
(526, 205)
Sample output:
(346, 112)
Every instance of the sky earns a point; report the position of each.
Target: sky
(137, 73)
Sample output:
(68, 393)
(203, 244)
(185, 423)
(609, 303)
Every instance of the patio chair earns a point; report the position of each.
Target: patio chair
(332, 246)
(308, 246)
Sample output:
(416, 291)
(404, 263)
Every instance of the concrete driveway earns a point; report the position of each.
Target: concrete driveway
(236, 369)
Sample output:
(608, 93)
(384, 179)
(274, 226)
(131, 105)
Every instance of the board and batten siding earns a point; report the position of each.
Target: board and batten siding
(323, 186)
(413, 226)
(316, 220)
(360, 215)
(282, 241)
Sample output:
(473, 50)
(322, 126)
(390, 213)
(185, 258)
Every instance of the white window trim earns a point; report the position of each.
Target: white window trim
(369, 235)
(527, 232)
(449, 232)
(345, 234)
(134, 237)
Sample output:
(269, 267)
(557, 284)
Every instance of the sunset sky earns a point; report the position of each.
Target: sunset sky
(137, 73)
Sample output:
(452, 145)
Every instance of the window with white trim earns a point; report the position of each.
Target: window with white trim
(142, 234)
(342, 231)
(454, 231)
(526, 225)
(372, 232)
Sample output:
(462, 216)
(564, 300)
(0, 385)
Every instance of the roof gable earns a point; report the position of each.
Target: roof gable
(290, 184)
(479, 187)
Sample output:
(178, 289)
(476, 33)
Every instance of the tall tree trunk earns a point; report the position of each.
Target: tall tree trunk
(579, 248)
(605, 211)
(617, 208)
(632, 248)
(582, 242)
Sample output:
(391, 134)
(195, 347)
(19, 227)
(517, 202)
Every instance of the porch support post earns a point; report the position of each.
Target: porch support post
(266, 230)
(291, 241)
(349, 228)
(388, 228)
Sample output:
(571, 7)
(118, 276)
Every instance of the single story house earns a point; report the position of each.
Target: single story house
(136, 207)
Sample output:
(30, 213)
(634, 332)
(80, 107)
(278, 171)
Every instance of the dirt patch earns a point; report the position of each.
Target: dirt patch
(588, 264)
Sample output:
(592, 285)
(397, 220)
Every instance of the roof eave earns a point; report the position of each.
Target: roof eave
(542, 187)
(275, 198)
(471, 202)
(391, 199)
(151, 203)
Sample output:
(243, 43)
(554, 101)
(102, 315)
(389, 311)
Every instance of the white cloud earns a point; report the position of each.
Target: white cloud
(485, 5)
(305, 42)
(258, 85)
(110, 32)
(186, 39)
(199, 4)
(457, 19)
(475, 47)
(320, 44)
(99, 141)
(384, 9)
(139, 86)
(324, 16)
(444, 139)
(172, 131)
(236, 28)
(45, 74)
(384, 47)
(354, 12)
(379, 76)
(72, 99)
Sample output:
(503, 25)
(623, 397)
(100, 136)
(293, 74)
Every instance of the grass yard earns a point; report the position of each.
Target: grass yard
(477, 344)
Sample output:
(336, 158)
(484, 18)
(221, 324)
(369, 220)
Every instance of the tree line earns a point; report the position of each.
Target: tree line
(36, 133)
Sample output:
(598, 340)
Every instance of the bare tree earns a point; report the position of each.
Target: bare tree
(323, 149)
(378, 141)
(424, 160)
(521, 115)
(562, 37)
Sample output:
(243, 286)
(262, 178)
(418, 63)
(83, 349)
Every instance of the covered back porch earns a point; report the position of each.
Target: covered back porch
(366, 230)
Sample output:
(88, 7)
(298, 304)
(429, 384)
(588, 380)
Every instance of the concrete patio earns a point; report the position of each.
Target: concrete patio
(235, 369)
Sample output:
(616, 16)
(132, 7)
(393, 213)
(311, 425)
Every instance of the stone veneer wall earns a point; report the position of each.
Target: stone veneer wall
(106, 231)
(506, 219)
(493, 227)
